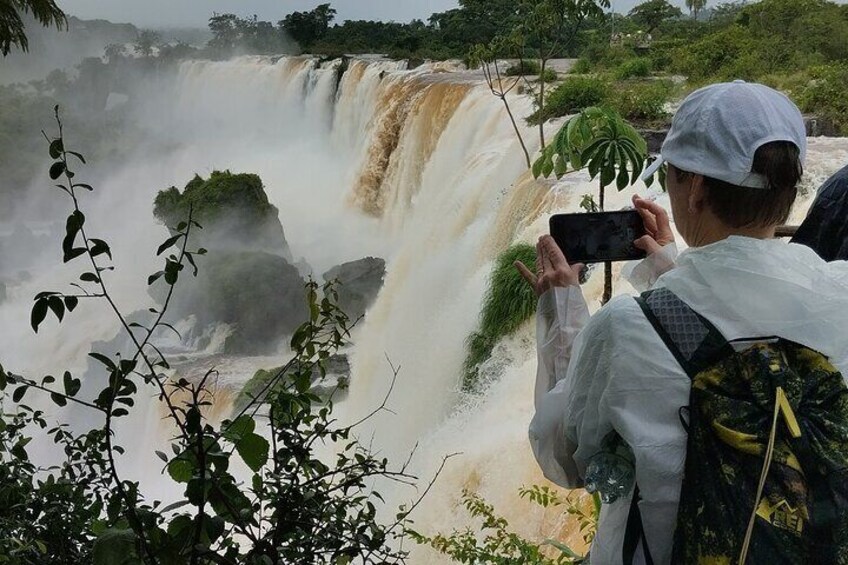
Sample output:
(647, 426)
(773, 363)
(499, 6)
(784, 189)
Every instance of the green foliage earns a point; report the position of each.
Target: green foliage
(525, 67)
(643, 101)
(639, 67)
(769, 37)
(232, 205)
(231, 33)
(582, 66)
(607, 146)
(599, 140)
(824, 95)
(726, 13)
(695, 6)
(529, 67)
(12, 32)
(587, 519)
(508, 303)
(499, 546)
(573, 95)
(295, 508)
(308, 27)
(145, 43)
(264, 382)
(653, 13)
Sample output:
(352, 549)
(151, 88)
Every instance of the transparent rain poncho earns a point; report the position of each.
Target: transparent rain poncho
(612, 376)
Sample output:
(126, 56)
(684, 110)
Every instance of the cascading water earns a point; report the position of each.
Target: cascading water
(420, 167)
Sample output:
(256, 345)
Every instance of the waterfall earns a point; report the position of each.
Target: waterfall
(420, 167)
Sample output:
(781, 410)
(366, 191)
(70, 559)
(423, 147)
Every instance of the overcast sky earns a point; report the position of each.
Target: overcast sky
(195, 13)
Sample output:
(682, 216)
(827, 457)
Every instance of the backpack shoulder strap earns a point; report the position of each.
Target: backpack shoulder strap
(692, 339)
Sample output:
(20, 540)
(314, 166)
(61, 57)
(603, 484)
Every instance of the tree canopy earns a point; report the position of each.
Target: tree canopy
(308, 27)
(653, 13)
(12, 28)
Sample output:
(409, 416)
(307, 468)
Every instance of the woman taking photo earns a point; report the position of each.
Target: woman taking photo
(709, 413)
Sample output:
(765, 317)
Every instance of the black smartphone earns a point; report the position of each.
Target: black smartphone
(598, 237)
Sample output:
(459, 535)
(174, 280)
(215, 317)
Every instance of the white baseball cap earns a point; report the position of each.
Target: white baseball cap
(719, 128)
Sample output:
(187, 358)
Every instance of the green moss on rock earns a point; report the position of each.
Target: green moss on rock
(233, 209)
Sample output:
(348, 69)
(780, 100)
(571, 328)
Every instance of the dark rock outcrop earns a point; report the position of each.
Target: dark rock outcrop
(247, 279)
(259, 295)
(360, 281)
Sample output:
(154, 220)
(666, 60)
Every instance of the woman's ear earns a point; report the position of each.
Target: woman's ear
(697, 194)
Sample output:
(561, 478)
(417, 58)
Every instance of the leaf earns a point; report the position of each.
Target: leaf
(118, 412)
(88, 187)
(253, 449)
(89, 277)
(100, 247)
(115, 547)
(214, 526)
(193, 264)
(56, 170)
(174, 506)
(181, 470)
(162, 456)
(548, 167)
(56, 148)
(168, 243)
(623, 179)
(19, 393)
(560, 166)
(72, 385)
(179, 525)
(537, 167)
(104, 360)
(73, 254)
(71, 303)
(154, 277)
(589, 153)
(55, 303)
(77, 155)
(240, 427)
(58, 399)
(607, 174)
(39, 312)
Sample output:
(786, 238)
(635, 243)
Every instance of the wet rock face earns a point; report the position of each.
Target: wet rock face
(259, 295)
(247, 280)
(360, 281)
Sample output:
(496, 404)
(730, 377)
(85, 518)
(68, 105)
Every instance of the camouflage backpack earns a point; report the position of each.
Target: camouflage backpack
(766, 475)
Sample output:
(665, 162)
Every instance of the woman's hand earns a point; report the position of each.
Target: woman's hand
(656, 224)
(552, 268)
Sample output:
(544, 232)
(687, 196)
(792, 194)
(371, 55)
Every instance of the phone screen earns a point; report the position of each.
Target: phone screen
(598, 237)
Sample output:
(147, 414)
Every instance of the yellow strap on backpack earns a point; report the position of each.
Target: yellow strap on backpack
(781, 406)
(788, 413)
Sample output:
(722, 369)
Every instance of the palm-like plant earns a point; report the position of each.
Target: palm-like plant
(695, 6)
(601, 141)
(12, 30)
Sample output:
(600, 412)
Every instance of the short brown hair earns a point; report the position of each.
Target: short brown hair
(742, 207)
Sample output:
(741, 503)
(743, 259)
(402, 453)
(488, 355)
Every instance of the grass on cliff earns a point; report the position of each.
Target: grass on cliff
(508, 303)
